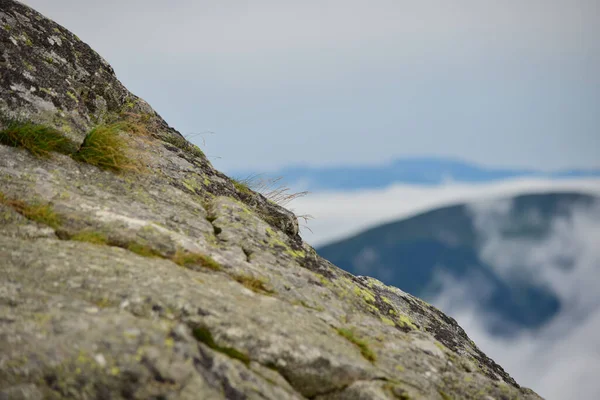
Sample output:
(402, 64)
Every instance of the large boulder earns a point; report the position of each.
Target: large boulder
(159, 277)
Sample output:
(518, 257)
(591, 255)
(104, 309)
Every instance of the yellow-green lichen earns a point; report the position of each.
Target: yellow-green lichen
(275, 242)
(406, 321)
(72, 96)
(366, 352)
(366, 294)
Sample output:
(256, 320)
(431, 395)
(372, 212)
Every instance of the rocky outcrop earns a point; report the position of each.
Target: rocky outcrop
(166, 279)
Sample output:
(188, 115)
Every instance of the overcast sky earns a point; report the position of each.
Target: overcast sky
(502, 83)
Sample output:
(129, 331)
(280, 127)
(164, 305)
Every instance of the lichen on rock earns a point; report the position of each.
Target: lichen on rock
(168, 281)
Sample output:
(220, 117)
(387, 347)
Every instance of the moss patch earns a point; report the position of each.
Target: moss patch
(203, 335)
(39, 140)
(361, 344)
(182, 143)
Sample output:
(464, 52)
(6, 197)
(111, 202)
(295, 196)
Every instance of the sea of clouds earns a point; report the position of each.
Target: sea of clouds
(559, 360)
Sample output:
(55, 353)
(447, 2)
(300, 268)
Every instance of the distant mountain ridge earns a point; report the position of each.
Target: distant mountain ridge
(414, 253)
(421, 171)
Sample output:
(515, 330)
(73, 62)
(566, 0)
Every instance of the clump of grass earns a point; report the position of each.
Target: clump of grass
(241, 186)
(255, 284)
(188, 260)
(39, 140)
(361, 344)
(90, 237)
(42, 213)
(143, 250)
(203, 335)
(105, 148)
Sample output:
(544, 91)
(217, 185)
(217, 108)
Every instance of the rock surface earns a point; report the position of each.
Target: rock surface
(170, 281)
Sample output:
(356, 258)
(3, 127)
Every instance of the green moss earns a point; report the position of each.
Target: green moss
(42, 213)
(254, 284)
(90, 237)
(203, 335)
(182, 143)
(387, 321)
(366, 352)
(241, 187)
(39, 140)
(105, 148)
(186, 259)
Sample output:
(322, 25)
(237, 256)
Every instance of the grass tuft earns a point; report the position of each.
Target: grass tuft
(272, 188)
(143, 250)
(361, 344)
(39, 140)
(42, 213)
(90, 237)
(105, 148)
(188, 260)
(203, 335)
(255, 284)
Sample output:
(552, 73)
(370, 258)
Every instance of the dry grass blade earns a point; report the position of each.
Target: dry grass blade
(272, 188)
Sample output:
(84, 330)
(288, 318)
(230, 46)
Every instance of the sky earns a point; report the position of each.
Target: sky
(266, 84)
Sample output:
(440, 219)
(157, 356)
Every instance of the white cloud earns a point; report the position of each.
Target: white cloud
(338, 215)
(561, 360)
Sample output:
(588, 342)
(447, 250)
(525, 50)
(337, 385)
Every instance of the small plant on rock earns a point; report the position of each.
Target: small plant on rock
(105, 148)
(39, 140)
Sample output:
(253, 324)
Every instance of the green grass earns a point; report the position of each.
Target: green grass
(105, 148)
(90, 237)
(241, 187)
(39, 140)
(361, 344)
(143, 250)
(42, 213)
(203, 335)
(188, 260)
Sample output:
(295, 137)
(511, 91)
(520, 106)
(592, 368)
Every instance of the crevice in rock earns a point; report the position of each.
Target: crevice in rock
(248, 253)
